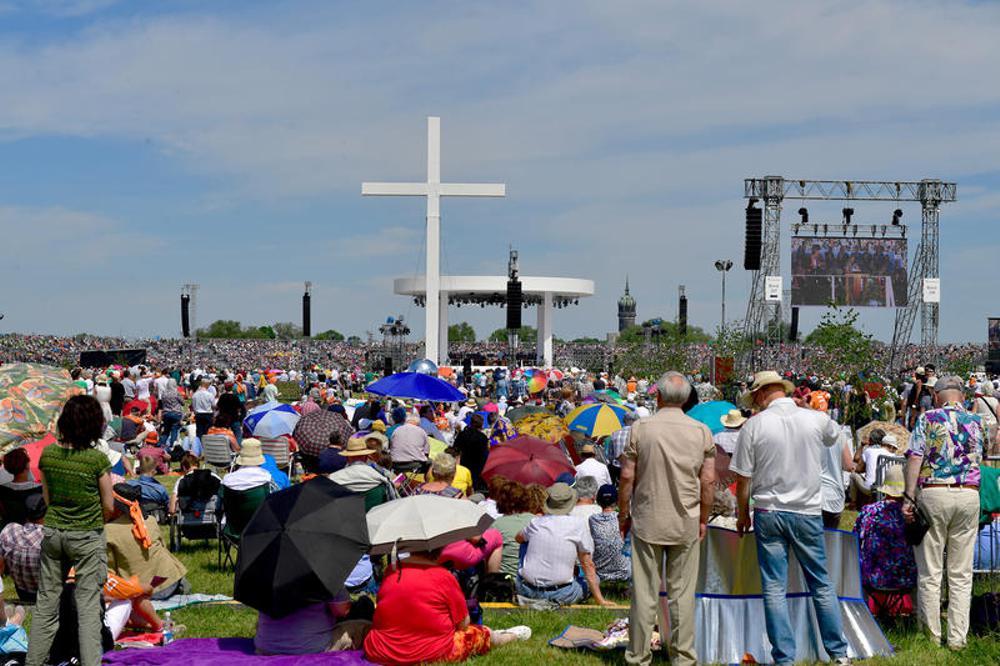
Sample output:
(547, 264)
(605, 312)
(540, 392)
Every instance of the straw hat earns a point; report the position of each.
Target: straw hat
(893, 484)
(734, 419)
(357, 446)
(251, 454)
(766, 378)
(560, 499)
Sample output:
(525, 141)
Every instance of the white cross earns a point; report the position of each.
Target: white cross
(434, 189)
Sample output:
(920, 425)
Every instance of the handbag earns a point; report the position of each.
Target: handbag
(914, 532)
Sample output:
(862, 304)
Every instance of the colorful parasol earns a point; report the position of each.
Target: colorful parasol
(543, 425)
(596, 420)
(536, 380)
(31, 397)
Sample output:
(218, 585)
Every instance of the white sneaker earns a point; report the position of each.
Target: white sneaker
(520, 632)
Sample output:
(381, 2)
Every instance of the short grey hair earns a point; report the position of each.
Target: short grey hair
(586, 487)
(674, 388)
(951, 383)
(443, 467)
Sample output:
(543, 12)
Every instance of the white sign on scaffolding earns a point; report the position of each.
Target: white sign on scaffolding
(772, 288)
(932, 290)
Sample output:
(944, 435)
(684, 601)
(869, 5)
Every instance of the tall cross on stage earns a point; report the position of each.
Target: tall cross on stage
(434, 189)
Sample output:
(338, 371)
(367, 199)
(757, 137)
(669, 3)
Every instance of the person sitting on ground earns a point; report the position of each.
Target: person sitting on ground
(443, 472)
(586, 491)
(193, 481)
(887, 561)
(152, 449)
(151, 491)
(428, 422)
(249, 472)
(15, 492)
(223, 426)
(513, 501)
(135, 546)
(330, 626)
(556, 542)
(132, 425)
(866, 464)
(422, 617)
(409, 446)
(591, 466)
(128, 603)
(363, 475)
(463, 476)
(609, 558)
(190, 442)
(21, 549)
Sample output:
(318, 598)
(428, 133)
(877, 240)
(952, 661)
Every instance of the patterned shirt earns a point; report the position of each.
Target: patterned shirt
(609, 560)
(887, 561)
(951, 441)
(615, 445)
(72, 478)
(21, 550)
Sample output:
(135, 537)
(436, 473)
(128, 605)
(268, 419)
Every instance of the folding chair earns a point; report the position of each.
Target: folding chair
(277, 448)
(238, 507)
(197, 508)
(217, 451)
(884, 462)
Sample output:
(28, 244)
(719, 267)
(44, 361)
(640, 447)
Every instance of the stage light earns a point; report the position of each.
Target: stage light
(795, 229)
(896, 214)
(848, 212)
(826, 228)
(804, 213)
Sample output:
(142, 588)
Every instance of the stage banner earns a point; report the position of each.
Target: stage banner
(859, 272)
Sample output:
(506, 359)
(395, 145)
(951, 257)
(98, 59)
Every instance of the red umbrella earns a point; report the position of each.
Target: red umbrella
(491, 407)
(527, 460)
(34, 450)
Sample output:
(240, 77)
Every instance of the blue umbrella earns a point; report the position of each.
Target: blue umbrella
(711, 413)
(415, 386)
(272, 419)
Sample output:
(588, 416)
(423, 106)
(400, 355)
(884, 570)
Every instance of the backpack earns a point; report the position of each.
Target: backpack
(984, 613)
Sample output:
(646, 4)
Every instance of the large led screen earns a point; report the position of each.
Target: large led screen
(858, 272)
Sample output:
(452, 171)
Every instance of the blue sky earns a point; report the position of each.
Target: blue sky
(146, 145)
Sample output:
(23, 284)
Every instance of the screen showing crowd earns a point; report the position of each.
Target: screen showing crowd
(993, 325)
(860, 272)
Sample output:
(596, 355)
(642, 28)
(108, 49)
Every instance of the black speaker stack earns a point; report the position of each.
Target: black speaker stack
(186, 315)
(306, 315)
(755, 228)
(514, 303)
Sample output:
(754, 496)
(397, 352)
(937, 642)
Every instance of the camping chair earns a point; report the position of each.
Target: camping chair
(217, 451)
(197, 506)
(884, 462)
(277, 448)
(238, 507)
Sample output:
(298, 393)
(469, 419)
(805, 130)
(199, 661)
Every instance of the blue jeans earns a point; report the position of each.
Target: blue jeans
(775, 532)
(171, 427)
(573, 593)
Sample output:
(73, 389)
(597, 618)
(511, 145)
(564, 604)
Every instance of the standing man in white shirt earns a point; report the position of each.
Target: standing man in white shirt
(591, 466)
(203, 406)
(778, 461)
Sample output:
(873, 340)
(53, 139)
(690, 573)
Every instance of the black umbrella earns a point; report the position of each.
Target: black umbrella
(300, 546)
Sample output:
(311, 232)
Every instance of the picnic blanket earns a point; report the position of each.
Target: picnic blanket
(183, 600)
(214, 651)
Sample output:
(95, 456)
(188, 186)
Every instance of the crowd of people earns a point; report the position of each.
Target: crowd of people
(783, 466)
(65, 351)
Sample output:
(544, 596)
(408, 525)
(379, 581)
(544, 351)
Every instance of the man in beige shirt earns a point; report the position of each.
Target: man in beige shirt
(667, 473)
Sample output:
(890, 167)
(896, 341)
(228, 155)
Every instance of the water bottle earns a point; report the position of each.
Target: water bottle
(168, 629)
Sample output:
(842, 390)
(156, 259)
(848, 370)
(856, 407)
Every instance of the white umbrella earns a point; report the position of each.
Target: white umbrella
(272, 419)
(424, 522)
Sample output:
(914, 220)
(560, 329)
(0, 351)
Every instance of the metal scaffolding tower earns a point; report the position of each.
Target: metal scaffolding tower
(772, 190)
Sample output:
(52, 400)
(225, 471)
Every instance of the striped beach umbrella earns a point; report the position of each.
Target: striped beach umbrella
(596, 420)
(272, 419)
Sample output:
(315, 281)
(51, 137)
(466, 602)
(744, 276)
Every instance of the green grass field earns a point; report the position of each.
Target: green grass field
(235, 620)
